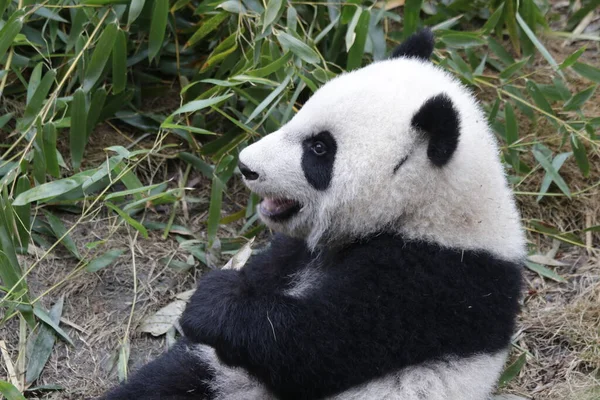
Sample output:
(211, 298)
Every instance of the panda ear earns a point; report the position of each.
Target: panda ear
(418, 45)
(439, 121)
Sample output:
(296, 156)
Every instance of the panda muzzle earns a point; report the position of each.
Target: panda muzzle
(279, 209)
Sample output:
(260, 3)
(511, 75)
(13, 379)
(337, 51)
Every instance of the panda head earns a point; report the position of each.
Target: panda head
(398, 146)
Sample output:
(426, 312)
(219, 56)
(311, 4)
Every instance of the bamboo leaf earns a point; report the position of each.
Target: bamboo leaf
(119, 63)
(197, 105)
(269, 99)
(512, 69)
(207, 27)
(361, 32)
(37, 99)
(158, 27)
(538, 45)
(105, 259)
(10, 392)
(60, 230)
(214, 211)
(50, 149)
(100, 56)
(412, 9)
(271, 12)
(134, 224)
(545, 271)
(578, 99)
(587, 71)
(538, 97)
(550, 170)
(48, 190)
(78, 132)
(557, 163)
(135, 9)
(580, 155)
(42, 345)
(8, 34)
(34, 81)
(572, 58)
(493, 20)
(23, 213)
(45, 318)
(512, 370)
(272, 67)
(301, 49)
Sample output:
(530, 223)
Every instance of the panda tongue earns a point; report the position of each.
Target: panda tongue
(276, 206)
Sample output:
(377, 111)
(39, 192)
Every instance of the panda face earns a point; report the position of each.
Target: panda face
(397, 146)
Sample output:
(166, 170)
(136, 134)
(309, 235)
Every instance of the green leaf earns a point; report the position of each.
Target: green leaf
(538, 45)
(545, 271)
(412, 9)
(271, 12)
(207, 27)
(78, 131)
(214, 210)
(272, 67)
(512, 69)
(5, 119)
(357, 50)
(95, 109)
(59, 231)
(50, 149)
(511, 24)
(462, 40)
(512, 134)
(42, 345)
(267, 100)
(572, 58)
(134, 224)
(23, 213)
(493, 20)
(580, 155)
(205, 168)
(197, 105)
(500, 51)
(578, 99)
(100, 56)
(302, 50)
(350, 35)
(104, 260)
(37, 99)
(512, 370)
(49, 190)
(45, 318)
(538, 97)
(587, 71)
(557, 163)
(34, 81)
(158, 27)
(8, 34)
(550, 170)
(10, 392)
(135, 9)
(119, 63)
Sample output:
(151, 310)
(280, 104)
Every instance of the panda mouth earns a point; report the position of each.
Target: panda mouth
(279, 209)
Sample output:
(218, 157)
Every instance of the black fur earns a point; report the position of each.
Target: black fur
(400, 164)
(176, 375)
(318, 169)
(439, 120)
(381, 305)
(419, 45)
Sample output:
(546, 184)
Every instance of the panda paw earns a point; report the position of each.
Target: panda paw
(210, 315)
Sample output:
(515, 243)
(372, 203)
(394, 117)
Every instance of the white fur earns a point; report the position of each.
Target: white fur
(465, 205)
(304, 281)
(465, 379)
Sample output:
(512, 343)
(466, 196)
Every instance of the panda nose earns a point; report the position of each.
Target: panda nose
(247, 172)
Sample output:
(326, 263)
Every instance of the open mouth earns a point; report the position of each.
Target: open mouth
(279, 209)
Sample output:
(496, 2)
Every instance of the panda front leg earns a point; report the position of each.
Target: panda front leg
(182, 373)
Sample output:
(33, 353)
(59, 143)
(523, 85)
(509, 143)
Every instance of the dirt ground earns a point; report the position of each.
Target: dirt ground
(559, 325)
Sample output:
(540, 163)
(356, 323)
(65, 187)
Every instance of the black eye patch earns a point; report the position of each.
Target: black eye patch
(318, 157)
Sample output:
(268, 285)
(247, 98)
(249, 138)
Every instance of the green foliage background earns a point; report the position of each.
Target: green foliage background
(242, 68)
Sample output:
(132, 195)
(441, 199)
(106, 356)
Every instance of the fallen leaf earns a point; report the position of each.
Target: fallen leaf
(545, 260)
(240, 258)
(159, 323)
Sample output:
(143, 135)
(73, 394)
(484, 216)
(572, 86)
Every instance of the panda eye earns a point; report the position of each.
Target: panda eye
(319, 148)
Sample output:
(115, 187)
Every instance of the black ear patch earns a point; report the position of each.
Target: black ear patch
(418, 45)
(439, 120)
(318, 157)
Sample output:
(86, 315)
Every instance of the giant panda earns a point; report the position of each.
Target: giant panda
(394, 272)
